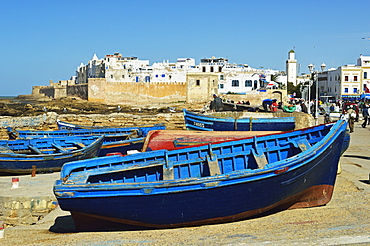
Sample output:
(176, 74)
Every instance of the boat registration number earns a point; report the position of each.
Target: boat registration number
(198, 124)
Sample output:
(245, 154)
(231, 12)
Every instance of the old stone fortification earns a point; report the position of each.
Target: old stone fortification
(127, 92)
(199, 87)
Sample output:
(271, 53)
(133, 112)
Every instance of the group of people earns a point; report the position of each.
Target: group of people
(270, 105)
(301, 106)
(351, 111)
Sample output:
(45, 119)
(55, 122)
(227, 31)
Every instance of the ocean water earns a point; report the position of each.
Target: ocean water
(7, 97)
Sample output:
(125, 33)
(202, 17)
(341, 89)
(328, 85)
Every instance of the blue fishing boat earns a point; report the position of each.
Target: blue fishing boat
(200, 122)
(46, 154)
(205, 184)
(116, 140)
(62, 125)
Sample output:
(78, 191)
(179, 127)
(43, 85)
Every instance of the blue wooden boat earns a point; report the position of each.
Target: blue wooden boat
(117, 140)
(47, 154)
(62, 125)
(206, 184)
(200, 122)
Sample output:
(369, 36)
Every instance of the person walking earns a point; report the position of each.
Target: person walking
(365, 114)
(351, 118)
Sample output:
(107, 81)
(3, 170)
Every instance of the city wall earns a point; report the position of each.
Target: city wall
(77, 91)
(135, 92)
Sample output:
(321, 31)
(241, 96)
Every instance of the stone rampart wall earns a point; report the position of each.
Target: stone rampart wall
(256, 98)
(25, 210)
(135, 92)
(78, 91)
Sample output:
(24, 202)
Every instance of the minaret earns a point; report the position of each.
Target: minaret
(291, 68)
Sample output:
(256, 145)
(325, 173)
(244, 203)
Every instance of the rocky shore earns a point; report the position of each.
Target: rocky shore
(30, 105)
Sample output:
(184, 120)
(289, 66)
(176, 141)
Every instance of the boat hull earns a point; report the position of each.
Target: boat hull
(121, 146)
(305, 181)
(23, 163)
(116, 140)
(201, 122)
(172, 139)
(312, 197)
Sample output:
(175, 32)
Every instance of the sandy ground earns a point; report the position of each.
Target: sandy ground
(344, 220)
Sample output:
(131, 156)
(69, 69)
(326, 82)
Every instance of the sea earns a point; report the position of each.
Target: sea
(7, 97)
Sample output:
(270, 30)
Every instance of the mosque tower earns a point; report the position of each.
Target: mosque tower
(291, 68)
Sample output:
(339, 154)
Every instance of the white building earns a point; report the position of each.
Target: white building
(291, 68)
(234, 78)
(346, 82)
(364, 63)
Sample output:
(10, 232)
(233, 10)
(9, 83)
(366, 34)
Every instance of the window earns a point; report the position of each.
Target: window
(147, 78)
(204, 69)
(123, 76)
(235, 83)
(345, 78)
(355, 78)
(212, 69)
(221, 86)
(219, 69)
(221, 77)
(255, 84)
(163, 75)
(365, 75)
(197, 82)
(248, 83)
(354, 90)
(345, 90)
(111, 76)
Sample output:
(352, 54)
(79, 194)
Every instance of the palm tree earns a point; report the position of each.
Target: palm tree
(274, 78)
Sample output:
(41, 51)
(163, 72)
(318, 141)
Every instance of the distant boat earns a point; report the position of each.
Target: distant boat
(172, 139)
(206, 184)
(47, 154)
(62, 125)
(201, 122)
(118, 140)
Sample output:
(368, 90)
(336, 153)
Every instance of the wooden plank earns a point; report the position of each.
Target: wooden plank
(58, 147)
(214, 168)
(81, 145)
(303, 144)
(5, 149)
(260, 158)
(34, 149)
(168, 173)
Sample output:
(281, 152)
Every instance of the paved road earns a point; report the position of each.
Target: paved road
(345, 220)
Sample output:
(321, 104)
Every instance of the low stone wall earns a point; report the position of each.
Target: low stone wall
(20, 210)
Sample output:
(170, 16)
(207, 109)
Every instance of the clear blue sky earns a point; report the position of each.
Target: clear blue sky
(43, 40)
